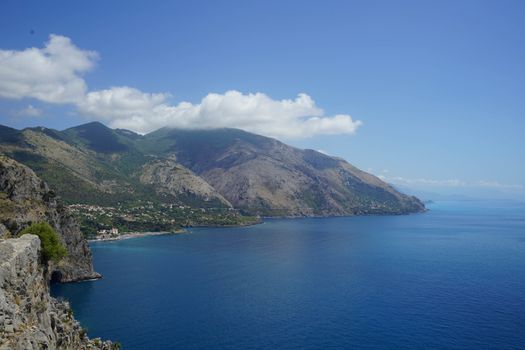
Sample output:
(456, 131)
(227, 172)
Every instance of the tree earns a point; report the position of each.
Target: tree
(52, 248)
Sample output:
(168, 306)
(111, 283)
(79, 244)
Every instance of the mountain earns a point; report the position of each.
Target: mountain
(264, 176)
(94, 164)
(216, 168)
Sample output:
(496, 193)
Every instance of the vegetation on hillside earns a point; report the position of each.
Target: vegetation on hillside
(52, 248)
(194, 177)
(142, 216)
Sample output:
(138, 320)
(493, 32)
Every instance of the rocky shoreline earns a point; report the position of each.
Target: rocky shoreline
(25, 199)
(30, 319)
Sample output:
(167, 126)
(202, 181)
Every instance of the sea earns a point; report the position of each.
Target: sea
(450, 278)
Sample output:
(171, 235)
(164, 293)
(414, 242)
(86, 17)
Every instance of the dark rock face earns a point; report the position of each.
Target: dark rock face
(25, 199)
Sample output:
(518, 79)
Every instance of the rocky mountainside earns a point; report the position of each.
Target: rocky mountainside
(25, 199)
(93, 164)
(30, 319)
(170, 178)
(264, 176)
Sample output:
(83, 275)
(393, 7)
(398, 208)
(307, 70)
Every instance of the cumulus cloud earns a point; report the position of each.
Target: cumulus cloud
(54, 74)
(50, 74)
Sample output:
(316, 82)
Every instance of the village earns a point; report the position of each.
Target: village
(107, 222)
(107, 234)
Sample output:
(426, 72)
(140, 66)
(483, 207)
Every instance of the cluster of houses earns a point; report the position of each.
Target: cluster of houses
(107, 234)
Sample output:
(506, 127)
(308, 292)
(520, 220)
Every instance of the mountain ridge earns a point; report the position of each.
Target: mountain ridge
(226, 158)
(224, 168)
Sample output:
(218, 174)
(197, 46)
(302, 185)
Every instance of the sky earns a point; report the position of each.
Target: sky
(425, 94)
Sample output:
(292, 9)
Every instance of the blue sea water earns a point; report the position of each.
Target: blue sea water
(451, 278)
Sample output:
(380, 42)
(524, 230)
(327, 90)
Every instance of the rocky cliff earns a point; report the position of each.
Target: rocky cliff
(29, 317)
(25, 199)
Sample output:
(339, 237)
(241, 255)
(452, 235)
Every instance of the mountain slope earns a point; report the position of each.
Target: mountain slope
(93, 164)
(267, 177)
(169, 177)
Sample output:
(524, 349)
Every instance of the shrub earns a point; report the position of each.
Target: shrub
(52, 248)
(40, 307)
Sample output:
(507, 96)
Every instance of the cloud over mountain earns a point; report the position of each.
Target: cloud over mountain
(128, 108)
(54, 74)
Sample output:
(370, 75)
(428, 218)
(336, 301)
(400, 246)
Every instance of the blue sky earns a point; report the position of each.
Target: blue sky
(438, 85)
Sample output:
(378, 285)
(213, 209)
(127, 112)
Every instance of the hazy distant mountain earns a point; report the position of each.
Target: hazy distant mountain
(94, 164)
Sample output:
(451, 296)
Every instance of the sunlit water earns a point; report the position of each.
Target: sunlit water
(452, 278)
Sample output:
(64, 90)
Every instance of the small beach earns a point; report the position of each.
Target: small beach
(130, 235)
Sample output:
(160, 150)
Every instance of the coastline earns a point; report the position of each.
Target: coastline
(131, 235)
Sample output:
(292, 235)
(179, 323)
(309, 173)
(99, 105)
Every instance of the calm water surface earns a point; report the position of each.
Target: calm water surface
(452, 278)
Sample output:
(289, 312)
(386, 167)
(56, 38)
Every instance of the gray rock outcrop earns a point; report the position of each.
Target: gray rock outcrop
(30, 318)
(25, 199)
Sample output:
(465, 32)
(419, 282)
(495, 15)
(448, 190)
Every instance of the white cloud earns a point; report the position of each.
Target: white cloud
(54, 73)
(424, 181)
(497, 184)
(447, 183)
(50, 74)
(128, 108)
(125, 107)
(29, 111)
